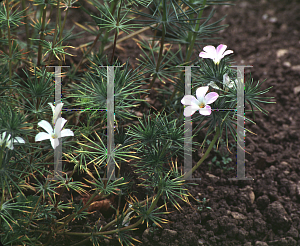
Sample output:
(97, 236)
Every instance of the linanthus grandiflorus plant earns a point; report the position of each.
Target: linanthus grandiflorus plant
(32, 209)
(213, 69)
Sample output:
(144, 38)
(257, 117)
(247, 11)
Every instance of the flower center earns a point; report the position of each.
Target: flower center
(54, 135)
(202, 105)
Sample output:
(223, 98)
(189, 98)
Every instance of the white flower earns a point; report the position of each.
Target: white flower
(215, 54)
(9, 142)
(201, 103)
(213, 85)
(226, 82)
(51, 134)
(126, 220)
(55, 110)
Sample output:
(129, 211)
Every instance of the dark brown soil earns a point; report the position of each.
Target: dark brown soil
(265, 211)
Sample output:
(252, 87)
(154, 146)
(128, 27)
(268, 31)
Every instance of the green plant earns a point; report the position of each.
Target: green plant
(202, 204)
(34, 209)
(221, 156)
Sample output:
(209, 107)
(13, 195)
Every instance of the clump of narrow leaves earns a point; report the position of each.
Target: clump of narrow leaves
(103, 138)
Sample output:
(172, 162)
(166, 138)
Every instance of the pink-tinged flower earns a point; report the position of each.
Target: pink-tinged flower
(215, 54)
(201, 103)
(51, 134)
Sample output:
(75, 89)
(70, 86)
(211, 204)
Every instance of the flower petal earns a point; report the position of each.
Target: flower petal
(9, 144)
(200, 93)
(53, 112)
(226, 79)
(63, 122)
(211, 97)
(59, 124)
(227, 52)
(210, 52)
(220, 49)
(189, 100)
(42, 136)
(206, 55)
(52, 107)
(206, 110)
(46, 126)
(213, 85)
(66, 133)
(19, 140)
(54, 142)
(58, 108)
(231, 85)
(190, 110)
(221, 52)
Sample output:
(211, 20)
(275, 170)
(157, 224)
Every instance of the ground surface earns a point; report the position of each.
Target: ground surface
(265, 211)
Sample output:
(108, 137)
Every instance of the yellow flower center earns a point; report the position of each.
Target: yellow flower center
(53, 135)
(202, 105)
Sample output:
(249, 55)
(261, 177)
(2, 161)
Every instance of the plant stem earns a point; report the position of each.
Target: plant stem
(71, 216)
(10, 50)
(2, 198)
(130, 36)
(180, 116)
(89, 50)
(205, 155)
(110, 45)
(55, 32)
(1, 154)
(33, 210)
(42, 36)
(60, 194)
(112, 10)
(61, 31)
(9, 45)
(111, 231)
(195, 34)
(162, 42)
(126, 212)
(26, 26)
(110, 223)
(154, 37)
(116, 34)
(191, 46)
(81, 242)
